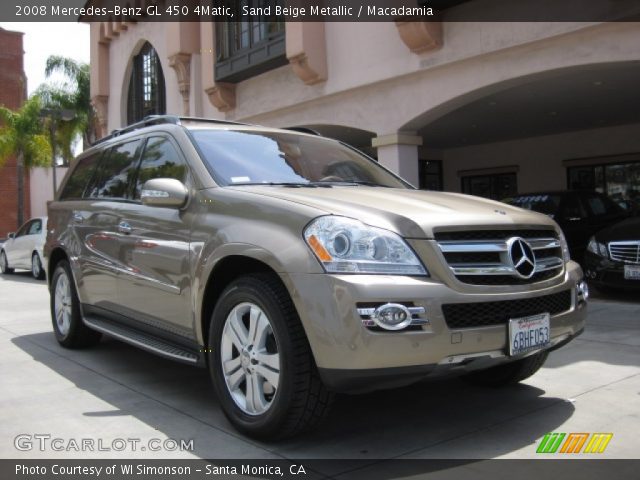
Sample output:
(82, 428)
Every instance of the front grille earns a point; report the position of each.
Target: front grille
(480, 257)
(627, 252)
(494, 234)
(509, 280)
(482, 314)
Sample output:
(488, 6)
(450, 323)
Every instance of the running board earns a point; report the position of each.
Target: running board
(144, 340)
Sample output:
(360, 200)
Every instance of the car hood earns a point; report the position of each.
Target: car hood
(411, 213)
(628, 229)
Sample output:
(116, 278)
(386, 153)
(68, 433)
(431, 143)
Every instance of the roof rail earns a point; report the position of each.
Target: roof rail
(308, 130)
(158, 120)
(210, 120)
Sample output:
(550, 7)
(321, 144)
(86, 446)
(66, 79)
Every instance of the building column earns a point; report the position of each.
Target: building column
(399, 153)
(99, 76)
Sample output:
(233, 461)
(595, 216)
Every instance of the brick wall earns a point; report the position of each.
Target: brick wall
(13, 87)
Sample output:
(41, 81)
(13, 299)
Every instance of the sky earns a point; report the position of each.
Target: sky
(44, 39)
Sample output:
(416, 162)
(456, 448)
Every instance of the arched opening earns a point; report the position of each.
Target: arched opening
(147, 94)
(571, 128)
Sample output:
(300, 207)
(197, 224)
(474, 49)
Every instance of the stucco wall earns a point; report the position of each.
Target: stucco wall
(374, 82)
(540, 158)
(42, 188)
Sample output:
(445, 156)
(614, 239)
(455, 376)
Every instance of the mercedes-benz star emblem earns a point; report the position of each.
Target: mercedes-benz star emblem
(521, 257)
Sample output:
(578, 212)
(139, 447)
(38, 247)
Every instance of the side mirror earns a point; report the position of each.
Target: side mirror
(164, 192)
(11, 235)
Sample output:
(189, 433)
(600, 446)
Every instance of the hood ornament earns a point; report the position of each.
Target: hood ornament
(521, 257)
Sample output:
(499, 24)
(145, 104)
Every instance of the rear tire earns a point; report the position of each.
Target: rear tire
(257, 344)
(70, 330)
(4, 264)
(36, 267)
(509, 373)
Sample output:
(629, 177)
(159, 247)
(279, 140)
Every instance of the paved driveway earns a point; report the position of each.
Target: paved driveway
(114, 391)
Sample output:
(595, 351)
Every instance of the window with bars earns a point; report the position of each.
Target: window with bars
(252, 45)
(430, 175)
(621, 181)
(146, 86)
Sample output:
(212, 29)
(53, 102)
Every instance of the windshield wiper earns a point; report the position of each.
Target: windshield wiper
(352, 183)
(277, 184)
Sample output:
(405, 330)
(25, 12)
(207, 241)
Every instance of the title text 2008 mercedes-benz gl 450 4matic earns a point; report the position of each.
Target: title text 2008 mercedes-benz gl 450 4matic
(293, 266)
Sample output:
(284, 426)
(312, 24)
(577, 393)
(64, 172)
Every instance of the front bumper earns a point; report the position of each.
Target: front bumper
(351, 357)
(607, 273)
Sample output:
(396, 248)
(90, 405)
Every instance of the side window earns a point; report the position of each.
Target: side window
(601, 205)
(116, 172)
(23, 229)
(80, 177)
(35, 228)
(160, 160)
(597, 206)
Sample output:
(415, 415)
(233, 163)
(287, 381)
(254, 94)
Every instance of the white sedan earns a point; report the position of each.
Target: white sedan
(23, 249)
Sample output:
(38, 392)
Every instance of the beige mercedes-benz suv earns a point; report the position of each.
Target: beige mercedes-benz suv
(293, 266)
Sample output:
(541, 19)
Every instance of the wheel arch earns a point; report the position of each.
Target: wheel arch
(225, 271)
(56, 255)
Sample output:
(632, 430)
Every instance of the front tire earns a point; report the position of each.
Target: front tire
(509, 373)
(36, 267)
(4, 264)
(70, 330)
(260, 361)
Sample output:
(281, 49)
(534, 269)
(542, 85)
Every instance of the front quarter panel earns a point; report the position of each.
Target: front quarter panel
(230, 222)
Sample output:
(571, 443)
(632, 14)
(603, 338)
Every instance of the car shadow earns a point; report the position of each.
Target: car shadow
(22, 277)
(361, 429)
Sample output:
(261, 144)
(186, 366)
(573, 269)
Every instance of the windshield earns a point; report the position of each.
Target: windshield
(545, 203)
(267, 158)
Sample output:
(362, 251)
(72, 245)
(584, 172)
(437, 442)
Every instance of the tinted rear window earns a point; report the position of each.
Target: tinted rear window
(80, 177)
(116, 172)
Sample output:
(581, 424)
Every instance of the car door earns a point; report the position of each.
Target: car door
(31, 241)
(574, 221)
(16, 248)
(155, 284)
(96, 224)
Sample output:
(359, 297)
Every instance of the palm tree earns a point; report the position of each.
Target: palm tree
(21, 135)
(75, 95)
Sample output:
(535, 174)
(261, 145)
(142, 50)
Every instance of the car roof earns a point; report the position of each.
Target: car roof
(191, 123)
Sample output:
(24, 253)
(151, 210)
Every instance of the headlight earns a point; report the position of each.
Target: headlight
(345, 245)
(565, 247)
(597, 248)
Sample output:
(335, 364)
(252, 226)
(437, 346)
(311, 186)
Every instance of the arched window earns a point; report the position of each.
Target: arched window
(146, 86)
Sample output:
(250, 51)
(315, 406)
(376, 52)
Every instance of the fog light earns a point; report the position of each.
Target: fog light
(392, 316)
(582, 289)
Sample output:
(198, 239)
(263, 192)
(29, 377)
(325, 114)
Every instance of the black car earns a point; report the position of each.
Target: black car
(580, 214)
(612, 259)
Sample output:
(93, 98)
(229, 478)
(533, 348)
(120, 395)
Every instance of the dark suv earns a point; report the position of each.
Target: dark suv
(580, 214)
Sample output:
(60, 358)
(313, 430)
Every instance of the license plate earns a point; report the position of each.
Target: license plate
(632, 272)
(528, 333)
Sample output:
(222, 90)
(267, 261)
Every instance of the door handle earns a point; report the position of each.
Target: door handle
(77, 218)
(124, 227)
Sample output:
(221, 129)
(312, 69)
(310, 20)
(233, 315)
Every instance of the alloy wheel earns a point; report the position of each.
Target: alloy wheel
(62, 303)
(250, 358)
